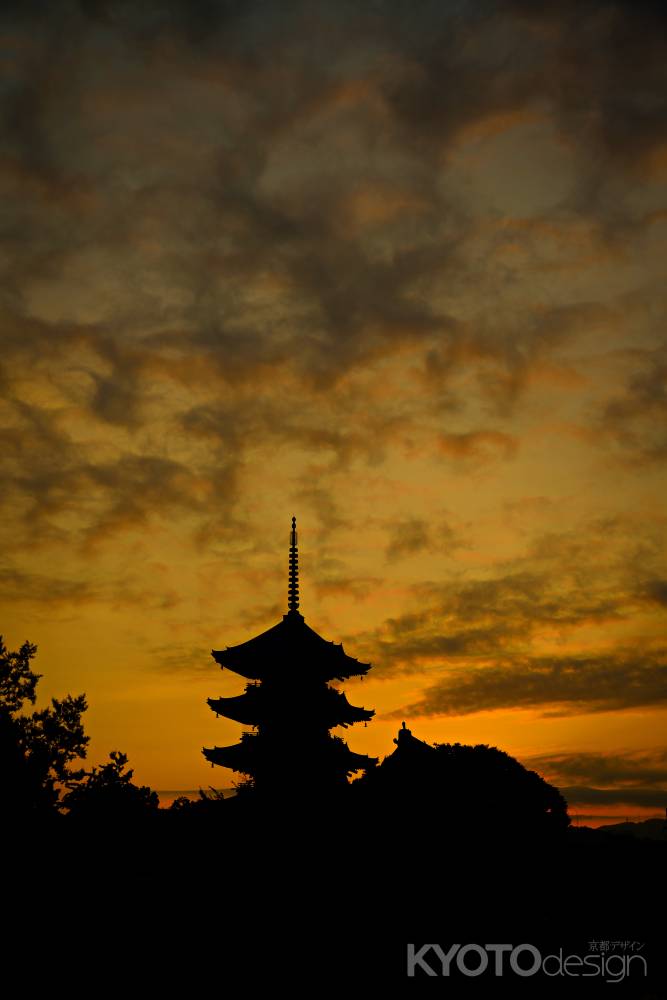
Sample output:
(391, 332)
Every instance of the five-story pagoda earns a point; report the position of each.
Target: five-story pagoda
(290, 705)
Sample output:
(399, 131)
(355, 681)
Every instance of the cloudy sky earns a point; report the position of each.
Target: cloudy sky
(397, 269)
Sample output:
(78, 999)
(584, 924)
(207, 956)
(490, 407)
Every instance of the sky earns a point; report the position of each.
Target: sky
(397, 269)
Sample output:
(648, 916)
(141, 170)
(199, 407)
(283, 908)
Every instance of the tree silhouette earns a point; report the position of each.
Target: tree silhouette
(209, 803)
(466, 790)
(37, 749)
(488, 786)
(108, 793)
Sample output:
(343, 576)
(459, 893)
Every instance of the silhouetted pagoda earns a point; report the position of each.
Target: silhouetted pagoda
(290, 704)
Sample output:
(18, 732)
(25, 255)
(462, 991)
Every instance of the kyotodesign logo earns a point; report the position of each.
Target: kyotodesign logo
(521, 960)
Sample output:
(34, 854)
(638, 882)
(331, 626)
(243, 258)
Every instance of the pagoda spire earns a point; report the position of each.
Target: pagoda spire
(293, 585)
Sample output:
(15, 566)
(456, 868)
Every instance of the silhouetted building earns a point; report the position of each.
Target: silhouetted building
(408, 749)
(290, 704)
(409, 774)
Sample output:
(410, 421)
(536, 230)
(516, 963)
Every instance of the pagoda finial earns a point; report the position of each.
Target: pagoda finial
(293, 588)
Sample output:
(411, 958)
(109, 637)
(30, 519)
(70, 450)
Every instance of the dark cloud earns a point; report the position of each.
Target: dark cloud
(115, 401)
(477, 445)
(107, 495)
(358, 588)
(600, 66)
(647, 798)
(656, 590)
(560, 685)
(408, 538)
(637, 419)
(480, 637)
(637, 768)
(493, 617)
(608, 72)
(184, 660)
(87, 119)
(44, 589)
(633, 778)
(324, 430)
(139, 488)
(218, 215)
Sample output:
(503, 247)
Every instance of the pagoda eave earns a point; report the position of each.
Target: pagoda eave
(252, 708)
(235, 757)
(247, 670)
(290, 641)
(359, 762)
(354, 716)
(239, 709)
(254, 668)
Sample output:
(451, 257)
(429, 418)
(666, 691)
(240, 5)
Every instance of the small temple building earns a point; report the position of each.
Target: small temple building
(290, 705)
(408, 750)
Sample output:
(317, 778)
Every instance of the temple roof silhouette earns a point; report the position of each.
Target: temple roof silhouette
(254, 706)
(290, 642)
(408, 750)
(245, 755)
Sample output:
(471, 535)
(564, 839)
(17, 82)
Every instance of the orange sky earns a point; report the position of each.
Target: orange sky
(402, 276)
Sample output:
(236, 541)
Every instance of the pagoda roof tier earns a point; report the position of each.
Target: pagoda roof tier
(259, 705)
(238, 757)
(358, 761)
(290, 645)
(243, 756)
(350, 760)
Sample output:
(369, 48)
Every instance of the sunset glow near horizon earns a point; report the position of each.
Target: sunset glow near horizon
(399, 273)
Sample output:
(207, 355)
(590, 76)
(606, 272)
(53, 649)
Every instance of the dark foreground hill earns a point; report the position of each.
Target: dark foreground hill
(299, 894)
(647, 829)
